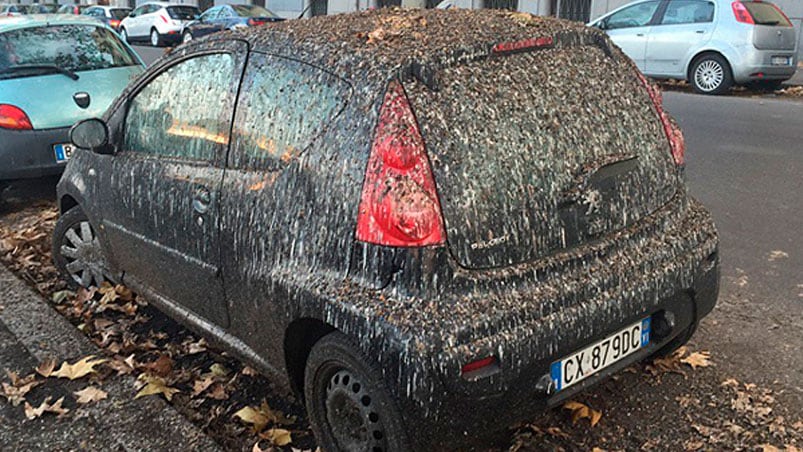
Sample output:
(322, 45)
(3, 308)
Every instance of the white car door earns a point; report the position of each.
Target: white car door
(629, 28)
(686, 26)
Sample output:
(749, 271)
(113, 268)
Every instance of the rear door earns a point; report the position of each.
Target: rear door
(630, 27)
(773, 30)
(541, 151)
(685, 27)
(162, 206)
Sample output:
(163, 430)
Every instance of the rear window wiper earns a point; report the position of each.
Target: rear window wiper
(46, 68)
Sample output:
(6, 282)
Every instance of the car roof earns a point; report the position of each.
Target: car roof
(351, 45)
(40, 20)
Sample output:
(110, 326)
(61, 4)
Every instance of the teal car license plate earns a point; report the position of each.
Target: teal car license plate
(586, 362)
(63, 152)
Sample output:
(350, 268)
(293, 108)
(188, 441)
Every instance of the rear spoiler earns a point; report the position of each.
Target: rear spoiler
(426, 71)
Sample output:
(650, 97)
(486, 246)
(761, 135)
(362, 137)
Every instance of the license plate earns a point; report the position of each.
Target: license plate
(781, 61)
(63, 152)
(590, 360)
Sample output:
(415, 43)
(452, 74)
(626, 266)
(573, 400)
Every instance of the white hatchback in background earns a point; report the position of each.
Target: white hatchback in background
(158, 23)
(713, 44)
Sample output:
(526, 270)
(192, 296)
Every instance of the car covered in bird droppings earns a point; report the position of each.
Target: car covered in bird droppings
(426, 222)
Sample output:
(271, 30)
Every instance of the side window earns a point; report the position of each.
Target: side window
(140, 11)
(224, 13)
(185, 112)
(635, 16)
(688, 12)
(211, 14)
(284, 105)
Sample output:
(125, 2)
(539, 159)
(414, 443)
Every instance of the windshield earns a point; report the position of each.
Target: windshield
(766, 14)
(45, 9)
(69, 47)
(183, 12)
(252, 11)
(119, 13)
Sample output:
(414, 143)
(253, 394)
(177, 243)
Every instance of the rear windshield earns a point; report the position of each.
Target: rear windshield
(183, 12)
(70, 47)
(766, 14)
(252, 11)
(119, 13)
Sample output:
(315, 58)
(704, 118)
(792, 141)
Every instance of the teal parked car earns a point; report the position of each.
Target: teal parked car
(55, 70)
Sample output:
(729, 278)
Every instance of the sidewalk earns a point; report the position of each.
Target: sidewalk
(31, 331)
(797, 79)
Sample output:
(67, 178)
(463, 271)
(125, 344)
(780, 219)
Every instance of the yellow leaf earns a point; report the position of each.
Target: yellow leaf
(218, 370)
(80, 369)
(155, 385)
(90, 394)
(254, 417)
(697, 359)
(46, 367)
(768, 448)
(277, 436)
(580, 411)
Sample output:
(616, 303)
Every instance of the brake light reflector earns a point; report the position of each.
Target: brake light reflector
(677, 142)
(14, 118)
(741, 13)
(477, 365)
(164, 19)
(399, 204)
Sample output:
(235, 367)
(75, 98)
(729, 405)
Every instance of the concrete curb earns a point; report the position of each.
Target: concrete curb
(116, 423)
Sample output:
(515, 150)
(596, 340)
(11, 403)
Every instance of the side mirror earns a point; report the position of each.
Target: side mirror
(132, 14)
(90, 134)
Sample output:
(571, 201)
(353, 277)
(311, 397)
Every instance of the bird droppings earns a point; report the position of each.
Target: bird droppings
(565, 215)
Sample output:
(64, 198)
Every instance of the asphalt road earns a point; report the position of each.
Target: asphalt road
(745, 163)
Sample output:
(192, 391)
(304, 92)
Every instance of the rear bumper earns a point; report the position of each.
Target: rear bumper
(671, 276)
(757, 65)
(29, 153)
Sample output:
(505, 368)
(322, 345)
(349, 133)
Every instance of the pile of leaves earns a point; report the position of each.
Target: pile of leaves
(741, 91)
(230, 401)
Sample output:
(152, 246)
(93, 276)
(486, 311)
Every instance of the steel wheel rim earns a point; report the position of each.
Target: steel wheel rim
(124, 35)
(709, 75)
(82, 252)
(350, 412)
(154, 38)
(187, 38)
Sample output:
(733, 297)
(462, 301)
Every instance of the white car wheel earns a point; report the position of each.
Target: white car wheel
(186, 37)
(155, 41)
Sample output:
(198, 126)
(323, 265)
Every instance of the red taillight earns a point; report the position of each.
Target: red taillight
(399, 204)
(478, 365)
(114, 23)
(12, 117)
(741, 13)
(254, 22)
(673, 133)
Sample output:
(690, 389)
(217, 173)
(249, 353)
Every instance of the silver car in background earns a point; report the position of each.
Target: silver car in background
(713, 44)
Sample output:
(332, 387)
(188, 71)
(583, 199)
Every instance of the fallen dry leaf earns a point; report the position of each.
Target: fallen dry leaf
(45, 368)
(260, 417)
(580, 411)
(81, 368)
(698, 359)
(777, 254)
(56, 408)
(19, 387)
(200, 385)
(90, 394)
(155, 385)
(277, 436)
(162, 367)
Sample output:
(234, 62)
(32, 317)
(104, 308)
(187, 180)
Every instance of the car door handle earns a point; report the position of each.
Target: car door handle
(201, 200)
(700, 32)
(640, 35)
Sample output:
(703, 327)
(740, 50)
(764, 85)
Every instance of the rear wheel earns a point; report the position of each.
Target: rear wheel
(186, 37)
(711, 74)
(348, 404)
(77, 252)
(124, 35)
(156, 40)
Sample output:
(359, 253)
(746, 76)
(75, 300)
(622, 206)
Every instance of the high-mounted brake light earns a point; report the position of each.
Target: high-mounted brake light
(12, 117)
(677, 143)
(526, 44)
(399, 204)
(741, 13)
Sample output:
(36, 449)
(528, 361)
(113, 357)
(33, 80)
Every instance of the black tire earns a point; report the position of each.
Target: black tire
(348, 404)
(82, 264)
(3, 186)
(679, 341)
(155, 39)
(711, 74)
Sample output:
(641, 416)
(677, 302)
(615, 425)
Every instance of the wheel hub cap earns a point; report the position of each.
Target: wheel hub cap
(350, 412)
(709, 75)
(85, 261)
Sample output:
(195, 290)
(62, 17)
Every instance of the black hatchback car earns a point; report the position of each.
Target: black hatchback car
(426, 222)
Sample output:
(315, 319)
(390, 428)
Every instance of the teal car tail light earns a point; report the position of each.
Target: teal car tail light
(14, 118)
